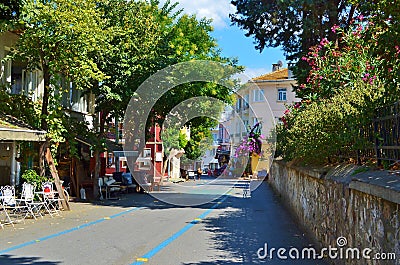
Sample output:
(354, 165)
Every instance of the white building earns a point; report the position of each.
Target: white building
(15, 78)
(262, 99)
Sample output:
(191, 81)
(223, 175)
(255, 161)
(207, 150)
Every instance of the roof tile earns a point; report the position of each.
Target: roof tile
(276, 75)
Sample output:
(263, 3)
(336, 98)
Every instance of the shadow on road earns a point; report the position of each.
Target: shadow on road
(199, 194)
(248, 224)
(12, 260)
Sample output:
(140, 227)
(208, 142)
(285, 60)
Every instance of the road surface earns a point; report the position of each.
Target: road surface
(141, 229)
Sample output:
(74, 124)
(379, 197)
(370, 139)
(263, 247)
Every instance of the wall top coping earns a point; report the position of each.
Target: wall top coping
(315, 172)
(380, 183)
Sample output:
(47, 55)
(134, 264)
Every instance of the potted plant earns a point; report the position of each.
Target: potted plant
(31, 176)
(251, 146)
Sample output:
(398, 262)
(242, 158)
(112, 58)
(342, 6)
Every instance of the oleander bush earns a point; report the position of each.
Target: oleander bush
(349, 78)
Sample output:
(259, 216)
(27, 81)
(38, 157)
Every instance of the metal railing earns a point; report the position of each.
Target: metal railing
(387, 133)
(380, 139)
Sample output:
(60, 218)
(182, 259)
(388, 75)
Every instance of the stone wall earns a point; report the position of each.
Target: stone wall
(339, 202)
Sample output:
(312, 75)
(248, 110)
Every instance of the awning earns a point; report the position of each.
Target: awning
(126, 153)
(110, 145)
(12, 129)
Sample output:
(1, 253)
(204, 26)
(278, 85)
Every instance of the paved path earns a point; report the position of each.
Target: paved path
(139, 229)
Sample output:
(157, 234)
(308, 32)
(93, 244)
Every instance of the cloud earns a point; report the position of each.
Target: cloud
(217, 10)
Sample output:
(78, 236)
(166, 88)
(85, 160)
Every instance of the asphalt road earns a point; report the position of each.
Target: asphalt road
(139, 229)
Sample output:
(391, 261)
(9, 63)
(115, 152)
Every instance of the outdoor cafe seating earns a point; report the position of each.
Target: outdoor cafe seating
(51, 199)
(29, 204)
(11, 211)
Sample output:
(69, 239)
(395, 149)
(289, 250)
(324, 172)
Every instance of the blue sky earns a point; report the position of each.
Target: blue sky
(231, 39)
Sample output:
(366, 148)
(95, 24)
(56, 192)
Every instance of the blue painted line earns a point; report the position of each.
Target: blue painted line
(165, 243)
(66, 231)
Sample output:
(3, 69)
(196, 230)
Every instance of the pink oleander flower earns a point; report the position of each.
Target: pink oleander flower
(334, 28)
(324, 42)
(297, 105)
(251, 144)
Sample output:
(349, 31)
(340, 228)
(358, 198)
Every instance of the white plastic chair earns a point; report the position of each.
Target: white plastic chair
(51, 199)
(28, 199)
(10, 206)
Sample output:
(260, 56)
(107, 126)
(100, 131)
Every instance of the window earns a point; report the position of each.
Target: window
(30, 82)
(16, 78)
(281, 94)
(258, 95)
(246, 101)
(147, 152)
(6, 68)
(239, 104)
(145, 161)
(255, 120)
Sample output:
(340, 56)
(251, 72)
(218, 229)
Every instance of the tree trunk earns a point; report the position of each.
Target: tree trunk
(43, 119)
(54, 174)
(96, 174)
(97, 168)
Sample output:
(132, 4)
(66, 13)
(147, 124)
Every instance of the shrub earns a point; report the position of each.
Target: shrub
(345, 85)
(31, 176)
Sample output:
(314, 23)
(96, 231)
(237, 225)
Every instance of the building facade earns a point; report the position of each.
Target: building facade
(262, 99)
(16, 78)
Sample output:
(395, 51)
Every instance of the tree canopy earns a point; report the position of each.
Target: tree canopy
(9, 13)
(147, 38)
(293, 25)
(60, 38)
(109, 48)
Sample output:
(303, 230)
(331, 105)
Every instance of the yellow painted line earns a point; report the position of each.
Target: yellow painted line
(142, 259)
(107, 218)
(197, 219)
(37, 240)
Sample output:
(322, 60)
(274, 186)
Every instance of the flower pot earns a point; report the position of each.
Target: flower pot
(254, 162)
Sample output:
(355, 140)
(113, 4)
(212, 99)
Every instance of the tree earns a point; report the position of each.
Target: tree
(147, 39)
(174, 140)
(60, 38)
(384, 36)
(9, 13)
(293, 25)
